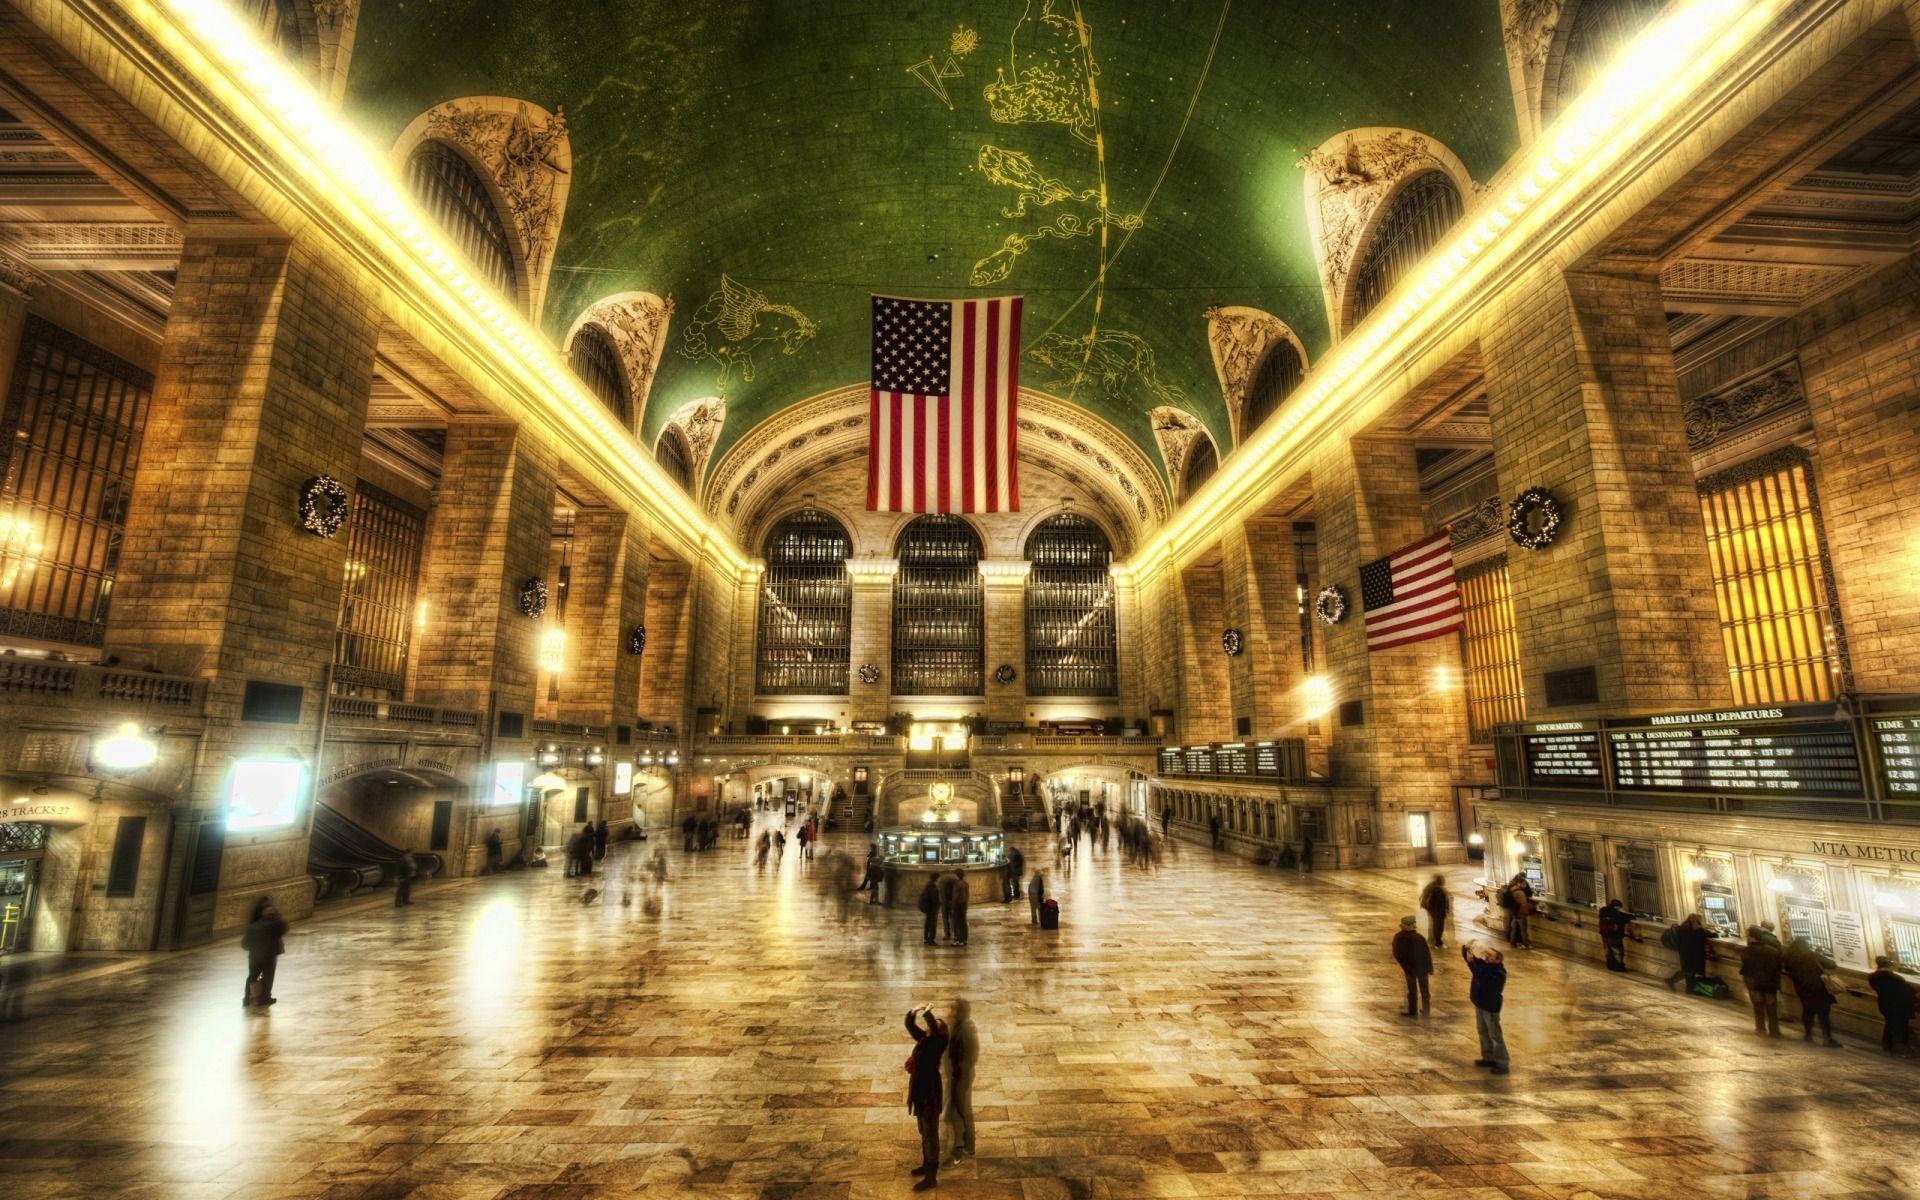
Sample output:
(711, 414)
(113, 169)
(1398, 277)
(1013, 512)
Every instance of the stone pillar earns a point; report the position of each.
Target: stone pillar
(1257, 573)
(663, 668)
(1206, 703)
(1860, 361)
(1004, 604)
(263, 383)
(491, 530)
(1584, 402)
(600, 682)
(872, 636)
(1411, 716)
(1130, 632)
(744, 660)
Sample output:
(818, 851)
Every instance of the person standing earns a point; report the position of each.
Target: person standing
(1016, 867)
(1036, 893)
(945, 884)
(1166, 815)
(804, 835)
(1415, 957)
(687, 827)
(1760, 971)
(265, 940)
(403, 881)
(870, 880)
(1487, 991)
(600, 839)
(1896, 1006)
(963, 1052)
(1213, 828)
(1438, 906)
(1613, 936)
(1807, 968)
(1516, 899)
(1689, 940)
(923, 1091)
(957, 910)
(1306, 854)
(930, 910)
(494, 854)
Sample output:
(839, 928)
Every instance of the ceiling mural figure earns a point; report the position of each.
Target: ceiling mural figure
(1176, 432)
(699, 423)
(1239, 338)
(737, 321)
(636, 324)
(935, 74)
(1111, 361)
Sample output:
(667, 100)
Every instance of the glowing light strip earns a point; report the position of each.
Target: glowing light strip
(340, 173)
(1646, 81)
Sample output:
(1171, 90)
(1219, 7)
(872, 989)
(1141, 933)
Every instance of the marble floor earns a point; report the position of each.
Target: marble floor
(1211, 1029)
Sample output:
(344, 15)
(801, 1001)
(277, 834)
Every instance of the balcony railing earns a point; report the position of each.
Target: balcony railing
(356, 710)
(80, 684)
(885, 743)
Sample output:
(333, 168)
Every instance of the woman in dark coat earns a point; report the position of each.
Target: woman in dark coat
(924, 1094)
(1805, 967)
(1690, 940)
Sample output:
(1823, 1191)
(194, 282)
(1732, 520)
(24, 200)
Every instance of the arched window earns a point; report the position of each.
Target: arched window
(1416, 218)
(674, 458)
(806, 607)
(1280, 372)
(1202, 461)
(275, 21)
(1600, 30)
(454, 195)
(597, 363)
(1070, 629)
(939, 635)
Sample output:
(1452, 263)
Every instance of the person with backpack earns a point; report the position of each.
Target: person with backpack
(1760, 971)
(1689, 939)
(1807, 968)
(1614, 924)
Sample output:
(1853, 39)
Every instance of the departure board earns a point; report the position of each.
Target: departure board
(1199, 760)
(1230, 760)
(1169, 761)
(1266, 758)
(1570, 759)
(1804, 758)
(1897, 739)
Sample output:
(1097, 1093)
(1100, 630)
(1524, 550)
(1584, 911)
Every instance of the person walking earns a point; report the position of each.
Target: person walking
(1896, 1006)
(265, 940)
(1306, 854)
(1438, 907)
(1166, 815)
(1689, 939)
(1036, 893)
(963, 1052)
(403, 880)
(1613, 936)
(1016, 867)
(870, 879)
(1806, 968)
(600, 839)
(1415, 957)
(923, 1091)
(957, 910)
(804, 836)
(930, 911)
(1487, 991)
(1213, 828)
(1760, 971)
(687, 827)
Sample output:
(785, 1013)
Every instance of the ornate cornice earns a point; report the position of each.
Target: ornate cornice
(1717, 414)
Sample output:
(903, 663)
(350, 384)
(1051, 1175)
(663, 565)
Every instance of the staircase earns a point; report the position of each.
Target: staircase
(345, 856)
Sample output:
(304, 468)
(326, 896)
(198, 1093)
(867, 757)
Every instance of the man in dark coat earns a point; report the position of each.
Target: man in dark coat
(1760, 971)
(1690, 942)
(1613, 936)
(930, 910)
(1896, 1006)
(1438, 907)
(957, 910)
(494, 854)
(1487, 991)
(687, 827)
(1806, 967)
(1415, 957)
(870, 881)
(600, 839)
(1213, 828)
(264, 941)
(924, 1095)
(1016, 867)
(946, 885)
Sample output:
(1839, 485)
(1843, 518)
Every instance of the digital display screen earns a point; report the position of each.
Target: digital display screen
(1564, 759)
(1897, 739)
(1230, 760)
(1266, 758)
(622, 778)
(264, 793)
(1813, 758)
(509, 783)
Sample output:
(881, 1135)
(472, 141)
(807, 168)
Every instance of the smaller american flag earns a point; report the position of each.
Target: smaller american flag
(1410, 595)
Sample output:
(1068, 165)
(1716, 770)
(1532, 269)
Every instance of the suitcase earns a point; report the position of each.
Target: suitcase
(1050, 915)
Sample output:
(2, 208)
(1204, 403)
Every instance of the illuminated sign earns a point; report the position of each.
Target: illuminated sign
(509, 782)
(264, 793)
(622, 778)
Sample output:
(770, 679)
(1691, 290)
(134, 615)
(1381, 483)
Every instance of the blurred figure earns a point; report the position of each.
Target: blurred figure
(1487, 990)
(957, 910)
(1037, 893)
(403, 880)
(930, 910)
(493, 853)
(1415, 957)
(870, 879)
(1689, 940)
(1614, 924)
(1015, 868)
(264, 941)
(923, 1090)
(1896, 1006)
(963, 1052)
(600, 839)
(1760, 971)
(1516, 901)
(1438, 906)
(1807, 968)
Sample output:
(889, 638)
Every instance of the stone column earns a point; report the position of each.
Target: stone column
(1257, 573)
(744, 661)
(1004, 604)
(263, 383)
(1206, 704)
(1130, 633)
(872, 636)
(600, 683)
(1410, 719)
(1584, 402)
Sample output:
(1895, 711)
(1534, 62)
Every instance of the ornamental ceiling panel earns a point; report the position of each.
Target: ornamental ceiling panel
(1127, 165)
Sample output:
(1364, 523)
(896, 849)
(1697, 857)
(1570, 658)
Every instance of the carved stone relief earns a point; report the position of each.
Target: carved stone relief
(1239, 338)
(1713, 416)
(636, 323)
(1176, 432)
(699, 422)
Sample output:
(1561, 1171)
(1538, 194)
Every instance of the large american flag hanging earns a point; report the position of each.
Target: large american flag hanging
(941, 413)
(1410, 595)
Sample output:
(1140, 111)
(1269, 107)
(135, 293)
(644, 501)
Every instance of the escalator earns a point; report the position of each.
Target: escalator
(344, 856)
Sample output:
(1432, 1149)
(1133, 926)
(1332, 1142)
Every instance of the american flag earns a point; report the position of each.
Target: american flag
(940, 416)
(1410, 595)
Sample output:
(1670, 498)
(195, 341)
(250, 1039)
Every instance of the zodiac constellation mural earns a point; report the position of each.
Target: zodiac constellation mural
(935, 74)
(737, 320)
(1110, 359)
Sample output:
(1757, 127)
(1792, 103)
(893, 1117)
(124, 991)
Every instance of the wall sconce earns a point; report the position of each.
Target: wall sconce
(126, 749)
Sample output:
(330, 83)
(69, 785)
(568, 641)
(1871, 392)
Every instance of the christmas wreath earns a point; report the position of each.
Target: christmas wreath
(1533, 519)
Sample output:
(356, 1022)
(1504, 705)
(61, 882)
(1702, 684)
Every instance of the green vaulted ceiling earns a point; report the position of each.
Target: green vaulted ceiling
(813, 151)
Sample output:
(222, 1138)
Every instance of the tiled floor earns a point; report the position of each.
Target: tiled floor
(1211, 1029)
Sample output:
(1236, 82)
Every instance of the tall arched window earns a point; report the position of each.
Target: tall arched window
(1600, 30)
(1419, 214)
(1280, 372)
(939, 626)
(275, 21)
(597, 363)
(674, 458)
(455, 195)
(1071, 649)
(1202, 461)
(806, 608)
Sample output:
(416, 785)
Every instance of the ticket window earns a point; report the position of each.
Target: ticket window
(1711, 878)
(1897, 901)
(1526, 854)
(1579, 873)
(1640, 869)
(1800, 902)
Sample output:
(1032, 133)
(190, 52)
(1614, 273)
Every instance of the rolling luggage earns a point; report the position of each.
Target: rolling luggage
(1050, 914)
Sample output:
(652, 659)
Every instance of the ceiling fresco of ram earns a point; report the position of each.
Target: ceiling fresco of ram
(1124, 164)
